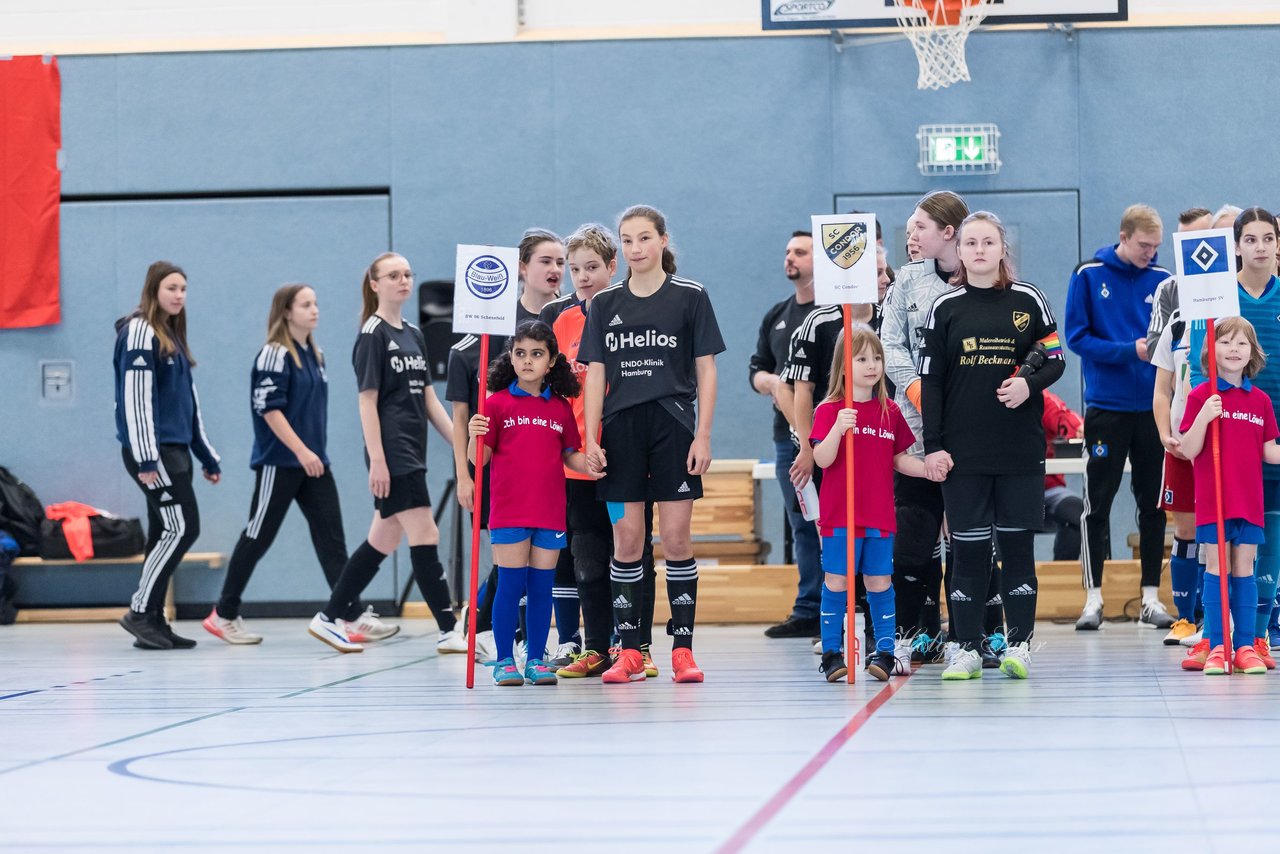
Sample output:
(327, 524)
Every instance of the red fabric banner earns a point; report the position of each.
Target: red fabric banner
(30, 191)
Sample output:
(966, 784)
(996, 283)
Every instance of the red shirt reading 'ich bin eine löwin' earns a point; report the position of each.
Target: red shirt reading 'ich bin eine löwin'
(879, 437)
(528, 435)
(1248, 422)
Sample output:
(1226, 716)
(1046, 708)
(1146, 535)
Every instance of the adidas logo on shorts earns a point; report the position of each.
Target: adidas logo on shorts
(684, 486)
(621, 602)
(683, 599)
(617, 321)
(392, 346)
(1022, 590)
(958, 596)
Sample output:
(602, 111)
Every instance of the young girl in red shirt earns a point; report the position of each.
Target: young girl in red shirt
(529, 435)
(881, 440)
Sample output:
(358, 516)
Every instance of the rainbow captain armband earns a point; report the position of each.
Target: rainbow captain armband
(1052, 345)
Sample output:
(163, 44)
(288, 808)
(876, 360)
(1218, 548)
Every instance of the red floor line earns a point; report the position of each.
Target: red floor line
(792, 787)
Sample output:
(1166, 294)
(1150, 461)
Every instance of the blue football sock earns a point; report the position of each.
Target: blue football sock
(1244, 609)
(1184, 577)
(537, 610)
(883, 618)
(1212, 598)
(506, 608)
(832, 618)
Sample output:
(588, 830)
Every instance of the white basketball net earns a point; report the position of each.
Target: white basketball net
(939, 48)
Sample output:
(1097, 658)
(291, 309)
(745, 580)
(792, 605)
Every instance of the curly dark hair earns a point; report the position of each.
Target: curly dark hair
(560, 377)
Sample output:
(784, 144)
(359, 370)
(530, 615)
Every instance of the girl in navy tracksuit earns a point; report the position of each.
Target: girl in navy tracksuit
(159, 426)
(289, 399)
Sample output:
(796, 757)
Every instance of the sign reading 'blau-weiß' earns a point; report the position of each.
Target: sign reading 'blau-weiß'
(485, 290)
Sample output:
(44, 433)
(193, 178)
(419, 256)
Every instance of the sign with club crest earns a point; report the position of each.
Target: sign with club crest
(1206, 265)
(844, 259)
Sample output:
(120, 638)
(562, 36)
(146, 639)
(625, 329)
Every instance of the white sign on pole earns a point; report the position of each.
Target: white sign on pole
(485, 290)
(1206, 264)
(844, 259)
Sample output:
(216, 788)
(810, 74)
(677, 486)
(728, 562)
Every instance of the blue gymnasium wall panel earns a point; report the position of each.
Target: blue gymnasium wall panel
(1167, 118)
(226, 121)
(236, 253)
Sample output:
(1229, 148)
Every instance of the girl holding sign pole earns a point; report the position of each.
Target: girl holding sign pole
(650, 345)
(881, 441)
(1256, 236)
(530, 435)
(990, 347)
(1247, 438)
(397, 404)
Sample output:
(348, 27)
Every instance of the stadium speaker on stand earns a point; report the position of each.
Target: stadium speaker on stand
(435, 316)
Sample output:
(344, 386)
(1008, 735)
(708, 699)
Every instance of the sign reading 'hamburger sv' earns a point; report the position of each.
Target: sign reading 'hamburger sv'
(485, 290)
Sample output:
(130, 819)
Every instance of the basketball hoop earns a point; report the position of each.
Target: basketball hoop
(938, 30)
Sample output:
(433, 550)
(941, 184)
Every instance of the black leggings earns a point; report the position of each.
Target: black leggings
(277, 487)
(173, 522)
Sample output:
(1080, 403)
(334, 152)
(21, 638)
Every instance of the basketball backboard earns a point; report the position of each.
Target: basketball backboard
(870, 14)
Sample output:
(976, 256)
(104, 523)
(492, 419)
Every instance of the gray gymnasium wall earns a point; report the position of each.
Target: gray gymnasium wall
(737, 140)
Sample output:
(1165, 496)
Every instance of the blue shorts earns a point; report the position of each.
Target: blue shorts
(543, 538)
(872, 555)
(1238, 531)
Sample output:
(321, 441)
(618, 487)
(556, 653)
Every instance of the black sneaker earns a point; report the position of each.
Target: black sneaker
(149, 635)
(880, 664)
(178, 641)
(833, 666)
(794, 627)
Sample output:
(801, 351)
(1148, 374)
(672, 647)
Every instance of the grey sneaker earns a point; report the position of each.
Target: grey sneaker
(1090, 618)
(965, 664)
(1017, 661)
(1154, 616)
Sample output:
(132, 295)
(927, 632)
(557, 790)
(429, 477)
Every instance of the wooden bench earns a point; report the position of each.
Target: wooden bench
(726, 520)
(98, 612)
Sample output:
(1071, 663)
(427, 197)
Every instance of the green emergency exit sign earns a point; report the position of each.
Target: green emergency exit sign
(951, 149)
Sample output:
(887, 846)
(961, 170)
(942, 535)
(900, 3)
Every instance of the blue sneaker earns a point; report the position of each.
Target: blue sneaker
(505, 673)
(922, 648)
(1273, 635)
(536, 672)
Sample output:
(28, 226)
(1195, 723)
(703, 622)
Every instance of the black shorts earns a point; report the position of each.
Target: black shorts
(484, 505)
(1008, 500)
(407, 492)
(918, 507)
(647, 453)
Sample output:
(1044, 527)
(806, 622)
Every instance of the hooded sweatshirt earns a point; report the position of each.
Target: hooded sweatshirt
(1109, 304)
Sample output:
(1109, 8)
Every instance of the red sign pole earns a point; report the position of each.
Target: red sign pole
(851, 541)
(1215, 444)
(483, 373)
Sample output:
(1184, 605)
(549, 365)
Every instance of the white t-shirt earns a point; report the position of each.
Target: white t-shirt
(1173, 357)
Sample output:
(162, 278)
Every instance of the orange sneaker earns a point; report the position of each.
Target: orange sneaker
(628, 668)
(1248, 661)
(1263, 648)
(1216, 663)
(589, 663)
(1196, 656)
(683, 667)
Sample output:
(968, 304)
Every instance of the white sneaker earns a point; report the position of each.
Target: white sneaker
(231, 631)
(817, 647)
(1192, 640)
(486, 648)
(451, 642)
(1016, 663)
(965, 664)
(949, 650)
(902, 658)
(368, 628)
(332, 633)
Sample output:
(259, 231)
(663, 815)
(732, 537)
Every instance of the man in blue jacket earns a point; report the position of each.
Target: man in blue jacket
(1109, 305)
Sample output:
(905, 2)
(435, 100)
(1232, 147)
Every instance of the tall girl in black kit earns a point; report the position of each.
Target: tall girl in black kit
(651, 341)
(983, 434)
(159, 426)
(397, 403)
(289, 402)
